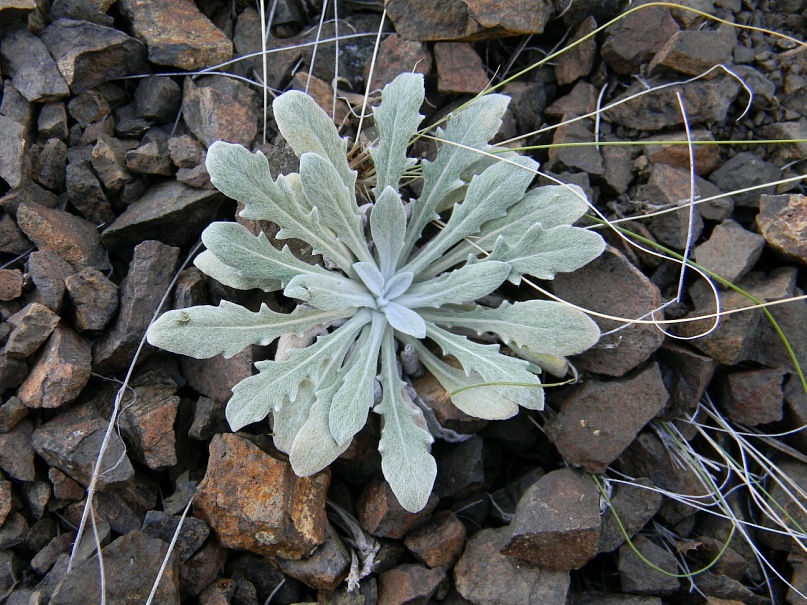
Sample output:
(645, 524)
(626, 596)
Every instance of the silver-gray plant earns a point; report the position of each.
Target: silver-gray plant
(386, 285)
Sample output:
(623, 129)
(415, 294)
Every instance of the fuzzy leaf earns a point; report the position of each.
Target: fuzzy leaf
(492, 366)
(489, 196)
(404, 319)
(480, 402)
(542, 326)
(354, 398)
(254, 257)
(314, 448)
(544, 252)
(465, 284)
(550, 206)
(290, 418)
(370, 277)
(329, 292)
(388, 226)
(307, 128)
(209, 264)
(277, 381)
(396, 119)
(397, 285)
(471, 129)
(333, 201)
(245, 177)
(205, 331)
(405, 459)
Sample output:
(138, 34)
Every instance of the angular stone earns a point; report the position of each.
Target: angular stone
(694, 52)
(630, 42)
(16, 453)
(185, 151)
(707, 157)
(440, 542)
(71, 442)
(158, 98)
(148, 426)
(64, 488)
(93, 11)
(37, 495)
(219, 592)
(86, 194)
(253, 501)
(639, 578)
(196, 177)
(33, 73)
(45, 558)
(220, 109)
(408, 583)
(578, 61)
(584, 159)
(782, 221)
(48, 271)
(151, 270)
(60, 373)
(13, 372)
(89, 107)
(600, 419)
(216, 377)
(686, 374)
(170, 212)
(74, 238)
(13, 530)
(635, 505)
(459, 68)
(601, 286)
(14, 164)
(134, 561)
(706, 101)
(5, 500)
(671, 187)
(16, 10)
(109, 163)
(557, 522)
(788, 131)
(484, 576)
(177, 33)
(730, 251)
(467, 19)
(380, 513)
(327, 566)
(397, 56)
(752, 397)
(88, 54)
(11, 412)
(461, 471)
(150, 158)
(31, 326)
(746, 170)
(202, 569)
(49, 165)
(10, 284)
(12, 241)
(94, 298)
(449, 415)
(192, 533)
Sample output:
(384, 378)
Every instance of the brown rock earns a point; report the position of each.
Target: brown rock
(639, 578)
(45, 558)
(254, 501)
(601, 286)
(686, 376)
(484, 576)
(147, 425)
(600, 419)
(150, 158)
(459, 68)
(671, 187)
(48, 271)
(150, 272)
(583, 159)
(12, 241)
(381, 514)
(578, 61)
(60, 373)
(798, 581)
(220, 109)
(33, 72)
(170, 212)
(397, 56)
(89, 107)
(618, 165)
(788, 131)
(557, 522)
(694, 52)
(88, 54)
(86, 194)
(196, 177)
(10, 284)
(408, 583)
(94, 297)
(630, 42)
(219, 592)
(216, 377)
(134, 562)
(5, 500)
(440, 542)
(71, 442)
(32, 193)
(752, 397)
(12, 372)
(31, 326)
(467, 19)
(177, 33)
(325, 568)
(158, 98)
(580, 101)
(192, 532)
(11, 412)
(730, 251)
(109, 163)
(449, 415)
(74, 238)
(707, 157)
(49, 165)
(16, 453)
(13, 531)
(782, 221)
(64, 488)
(185, 151)
(634, 504)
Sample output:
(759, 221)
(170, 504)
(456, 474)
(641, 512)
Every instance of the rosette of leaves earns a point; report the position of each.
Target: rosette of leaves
(386, 284)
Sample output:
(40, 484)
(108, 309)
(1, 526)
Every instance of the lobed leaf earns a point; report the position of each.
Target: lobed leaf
(204, 331)
(396, 119)
(209, 264)
(408, 466)
(542, 326)
(465, 284)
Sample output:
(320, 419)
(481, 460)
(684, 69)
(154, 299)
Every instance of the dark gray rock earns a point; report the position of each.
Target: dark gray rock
(325, 568)
(731, 251)
(630, 43)
(220, 109)
(150, 272)
(484, 576)
(150, 158)
(94, 298)
(746, 170)
(109, 163)
(82, 10)
(380, 513)
(48, 270)
(670, 187)
(89, 107)
(11, 412)
(88, 54)
(16, 453)
(86, 194)
(33, 72)
(49, 165)
(557, 522)
(14, 163)
(752, 397)
(158, 98)
(461, 471)
(12, 241)
(634, 504)
(30, 328)
(598, 420)
(192, 534)
(638, 577)
(694, 52)
(583, 159)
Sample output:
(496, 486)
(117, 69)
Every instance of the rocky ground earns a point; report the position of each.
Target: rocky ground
(104, 193)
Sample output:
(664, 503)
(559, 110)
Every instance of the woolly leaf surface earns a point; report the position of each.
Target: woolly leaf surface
(462, 285)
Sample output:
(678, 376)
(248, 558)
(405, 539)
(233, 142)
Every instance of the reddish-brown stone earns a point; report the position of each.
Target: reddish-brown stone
(396, 56)
(31, 326)
(459, 68)
(381, 514)
(578, 61)
(782, 221)
(408, 583)
(754, 396)
(438, 543)
(10, 284)
(631, 42)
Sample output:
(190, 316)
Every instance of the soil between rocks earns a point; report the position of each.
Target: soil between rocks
(104, 194)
